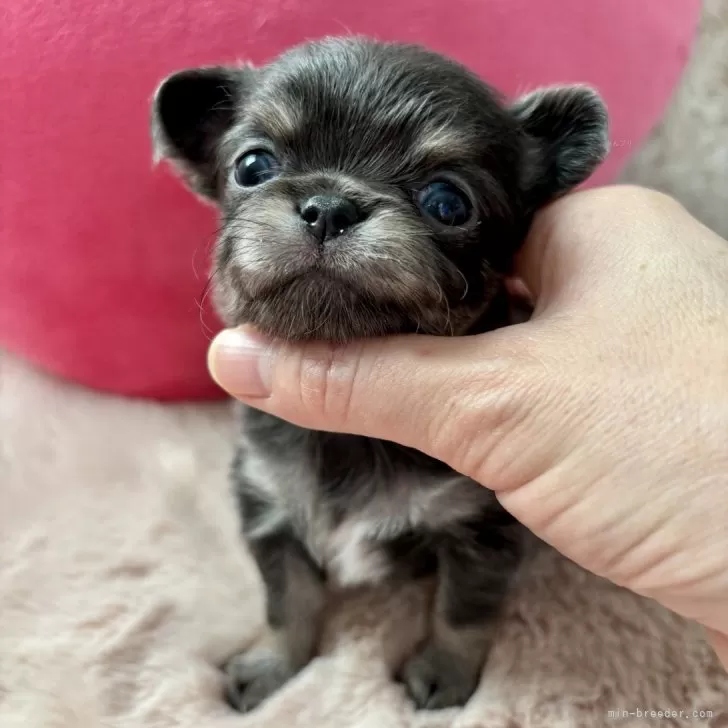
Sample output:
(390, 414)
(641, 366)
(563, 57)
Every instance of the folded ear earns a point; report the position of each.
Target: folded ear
(191, 111)
(566, 129)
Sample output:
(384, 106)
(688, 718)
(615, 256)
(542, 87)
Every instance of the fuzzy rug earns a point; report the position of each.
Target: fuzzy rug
(123, 583)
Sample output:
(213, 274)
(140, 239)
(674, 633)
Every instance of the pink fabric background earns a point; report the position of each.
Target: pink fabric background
(102, 258)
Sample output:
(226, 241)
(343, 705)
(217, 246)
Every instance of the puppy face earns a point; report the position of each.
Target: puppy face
(369, 188)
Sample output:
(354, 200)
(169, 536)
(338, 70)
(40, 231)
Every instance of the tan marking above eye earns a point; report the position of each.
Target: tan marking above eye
(280, 120)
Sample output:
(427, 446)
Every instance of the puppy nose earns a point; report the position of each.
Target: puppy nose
(328, 215)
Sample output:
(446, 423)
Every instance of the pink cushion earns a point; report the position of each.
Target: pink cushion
(103, 260)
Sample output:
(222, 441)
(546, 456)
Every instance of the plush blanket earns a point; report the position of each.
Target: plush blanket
(124, 584)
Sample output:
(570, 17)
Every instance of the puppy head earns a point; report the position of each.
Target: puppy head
(369, 188)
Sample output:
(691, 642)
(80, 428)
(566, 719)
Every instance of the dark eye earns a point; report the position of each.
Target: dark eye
(254, 168)
(445, 203)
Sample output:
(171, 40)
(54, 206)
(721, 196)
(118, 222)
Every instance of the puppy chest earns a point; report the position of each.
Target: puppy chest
(353, 555)
(393, 533)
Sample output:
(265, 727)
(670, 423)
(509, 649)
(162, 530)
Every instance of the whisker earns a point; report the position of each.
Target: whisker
(206, 291)
(467, 287)
(448, 319)
(235, 225)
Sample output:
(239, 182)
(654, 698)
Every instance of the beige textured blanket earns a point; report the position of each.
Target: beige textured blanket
(123, 582)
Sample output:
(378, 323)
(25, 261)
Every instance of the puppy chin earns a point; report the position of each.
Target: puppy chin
(317, 308)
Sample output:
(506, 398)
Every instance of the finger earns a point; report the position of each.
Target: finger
(435, 394)
(591, 237)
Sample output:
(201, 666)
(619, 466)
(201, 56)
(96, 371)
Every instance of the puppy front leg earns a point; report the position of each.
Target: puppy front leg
(475, 569)
(294, 600)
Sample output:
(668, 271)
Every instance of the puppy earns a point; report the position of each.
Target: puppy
(369, 189)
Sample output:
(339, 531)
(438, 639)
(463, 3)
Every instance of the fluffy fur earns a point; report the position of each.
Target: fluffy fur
(369, 128)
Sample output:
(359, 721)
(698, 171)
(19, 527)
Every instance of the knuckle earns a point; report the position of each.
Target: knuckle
(328, 375)
(647, 195)
(471, 415)
(587, 205)
(487, 434)
(633, 198)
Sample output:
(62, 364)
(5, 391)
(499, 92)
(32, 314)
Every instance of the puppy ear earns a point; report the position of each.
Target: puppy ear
(566, 130)
(191, 110)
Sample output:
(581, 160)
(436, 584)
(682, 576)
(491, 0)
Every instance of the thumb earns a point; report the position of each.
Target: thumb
(443, 396)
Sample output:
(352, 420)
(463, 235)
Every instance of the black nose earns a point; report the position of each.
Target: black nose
(328, 216)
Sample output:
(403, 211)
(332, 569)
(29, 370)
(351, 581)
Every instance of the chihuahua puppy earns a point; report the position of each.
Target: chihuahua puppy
(369, 189)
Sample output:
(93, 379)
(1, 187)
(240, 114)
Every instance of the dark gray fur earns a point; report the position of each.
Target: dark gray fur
(372, 123)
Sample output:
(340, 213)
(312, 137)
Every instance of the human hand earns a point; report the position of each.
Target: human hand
(601, 423)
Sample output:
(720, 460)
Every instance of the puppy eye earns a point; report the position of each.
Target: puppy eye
(254, 168)
(445, 203)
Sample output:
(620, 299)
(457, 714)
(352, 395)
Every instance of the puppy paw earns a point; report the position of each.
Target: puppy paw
(436, 678)
(253, 676)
